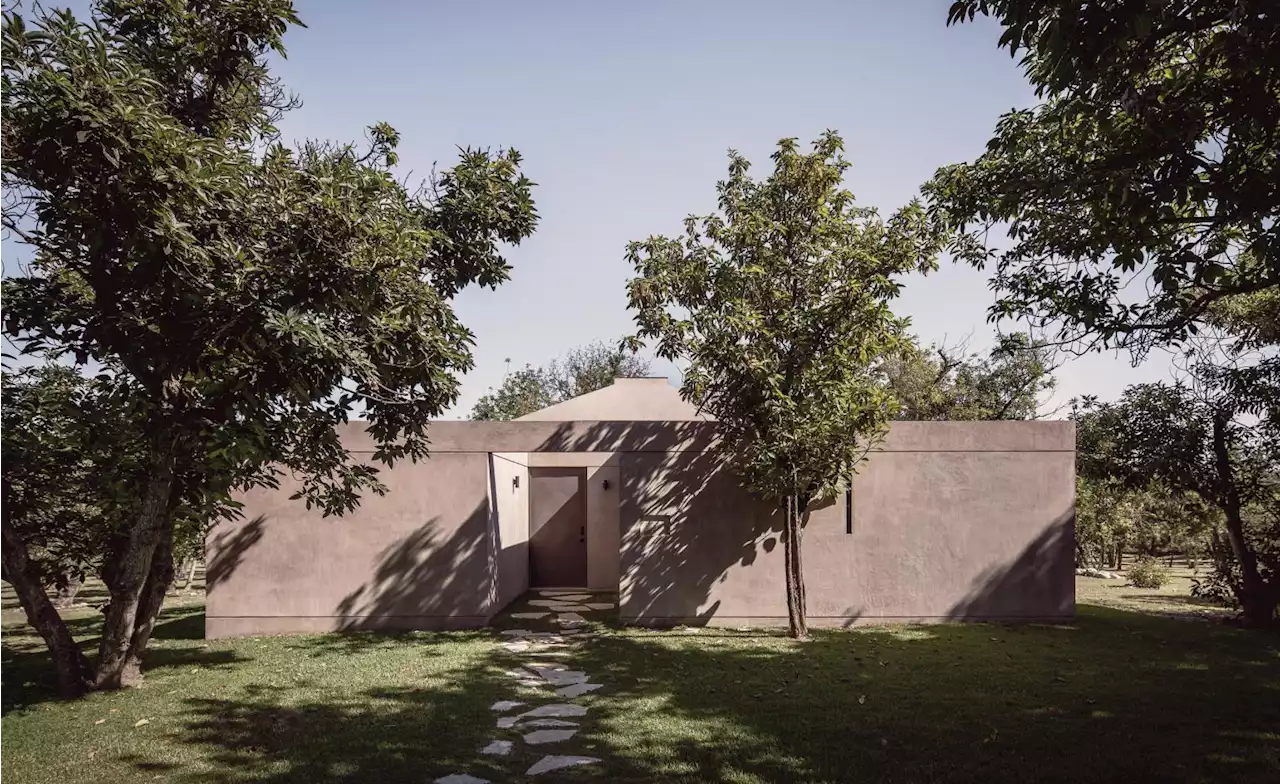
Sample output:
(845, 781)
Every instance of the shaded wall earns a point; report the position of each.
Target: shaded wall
(419, 557)
(949, 521)
(509, 494)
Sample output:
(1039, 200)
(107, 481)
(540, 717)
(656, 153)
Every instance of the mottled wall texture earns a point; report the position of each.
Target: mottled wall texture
(949, 521)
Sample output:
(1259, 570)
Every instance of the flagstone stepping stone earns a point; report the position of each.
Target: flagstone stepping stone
(569, 607)
(538, 737)
(547, 723)
(573, 597)
(544, 602)
(515, 632)
(507, 722)
(502, 706)
(570, 616)
(559, 710)
(600, 605)
(561, 677)
(577, 689)
(556, 762)
(530, 616)
(463, 778)
(498, 748)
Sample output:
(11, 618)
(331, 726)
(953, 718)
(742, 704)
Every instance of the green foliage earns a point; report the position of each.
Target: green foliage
(1154, 155)
(247, 296)
(522, 392)
(1187, 440)
(1148, 573)
(584, 369)
(54, 443)
(780, 305)
(1104, 521)
(946, 383)
(239, 282)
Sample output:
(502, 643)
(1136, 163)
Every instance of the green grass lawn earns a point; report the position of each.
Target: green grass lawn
(1115, 696)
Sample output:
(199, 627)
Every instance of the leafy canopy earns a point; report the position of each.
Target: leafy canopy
(1146, 187)
(947, 383)
(780, 305)
(250, 295)
(582, 370)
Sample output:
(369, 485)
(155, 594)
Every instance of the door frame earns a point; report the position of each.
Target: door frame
(582, 474)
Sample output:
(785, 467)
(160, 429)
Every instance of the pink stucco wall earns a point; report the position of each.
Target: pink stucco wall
(950, 521)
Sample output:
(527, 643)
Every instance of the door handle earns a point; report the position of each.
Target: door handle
(582, 532)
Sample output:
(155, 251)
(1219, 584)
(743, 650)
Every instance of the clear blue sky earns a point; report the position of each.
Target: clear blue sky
(624, 111)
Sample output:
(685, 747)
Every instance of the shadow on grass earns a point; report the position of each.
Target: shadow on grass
(28, 671)
(1117, 696)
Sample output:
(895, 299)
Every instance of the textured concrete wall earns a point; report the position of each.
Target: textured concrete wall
(630, 399)
(950, 521)
(510, 503)
(603, 527)
(419, 557)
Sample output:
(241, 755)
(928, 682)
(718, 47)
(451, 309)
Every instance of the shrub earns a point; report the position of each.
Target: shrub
(1148, 573)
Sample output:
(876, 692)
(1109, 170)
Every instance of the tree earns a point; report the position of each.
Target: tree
(1193, 443)
(1154, 158)
(780, 304)
(947, 383)
(584, 369)
(243, 297)
(522, 392)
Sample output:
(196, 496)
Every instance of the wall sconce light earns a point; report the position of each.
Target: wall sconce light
(606, 484)
(515, 481)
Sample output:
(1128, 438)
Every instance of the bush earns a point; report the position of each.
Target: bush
(1148, 573)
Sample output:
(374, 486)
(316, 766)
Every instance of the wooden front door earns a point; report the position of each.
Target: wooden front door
(558, 527)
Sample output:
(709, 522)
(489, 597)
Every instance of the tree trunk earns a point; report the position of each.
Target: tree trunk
(72, 669)
(794, 575)
(67, 584)
(132, 569)
(1256, 604)
(149, 605)
(186, 574)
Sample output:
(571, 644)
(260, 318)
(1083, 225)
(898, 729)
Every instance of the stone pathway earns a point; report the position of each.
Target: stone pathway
(562, 618)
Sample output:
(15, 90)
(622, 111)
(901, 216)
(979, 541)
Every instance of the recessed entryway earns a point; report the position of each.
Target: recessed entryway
(557, 527)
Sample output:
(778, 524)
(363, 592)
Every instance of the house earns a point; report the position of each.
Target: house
(624, 489)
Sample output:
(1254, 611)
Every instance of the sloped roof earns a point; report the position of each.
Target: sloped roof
(625, 400)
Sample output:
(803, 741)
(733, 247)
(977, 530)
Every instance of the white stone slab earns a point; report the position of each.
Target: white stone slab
(529, 616)
(570, 616)
(463, 778)
(547, 723)
(573, 597)
(559, 710)
(516, 633)
(577, 689)
(601, 605)
(544, 602)
(507, 722)
(538, 737)
(560, 677)
(569, 607)
(556, 762)
(497, 748)
(502, 706)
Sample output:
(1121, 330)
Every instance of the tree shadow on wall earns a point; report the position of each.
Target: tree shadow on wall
(685, 518)
(1037, 585)
(433, 578)
(227, 547)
